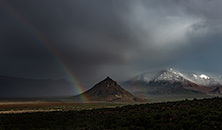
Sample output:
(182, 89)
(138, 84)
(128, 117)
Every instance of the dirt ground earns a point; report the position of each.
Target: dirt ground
(32, 106)
(26, 111)
(9, 107)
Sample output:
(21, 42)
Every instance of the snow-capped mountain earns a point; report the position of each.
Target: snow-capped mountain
(161, 75)
(203, 79)
(171, 81)
(176, 76)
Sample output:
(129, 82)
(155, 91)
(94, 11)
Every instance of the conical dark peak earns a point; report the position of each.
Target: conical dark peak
(108, 80)
(109, 90)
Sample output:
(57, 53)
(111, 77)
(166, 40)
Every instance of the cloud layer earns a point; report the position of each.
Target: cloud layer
(116, 38)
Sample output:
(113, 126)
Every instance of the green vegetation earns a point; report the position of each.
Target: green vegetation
(205, 114)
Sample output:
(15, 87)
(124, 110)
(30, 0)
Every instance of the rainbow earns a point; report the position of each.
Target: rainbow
(48, 44)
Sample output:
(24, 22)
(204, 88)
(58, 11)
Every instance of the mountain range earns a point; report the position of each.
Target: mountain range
(155, 84)
(174, 83)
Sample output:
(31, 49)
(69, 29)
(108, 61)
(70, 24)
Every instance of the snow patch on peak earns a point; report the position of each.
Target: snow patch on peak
(203, 76)
(160, 75)
(202, 79)
(195, 76)
(170, 75)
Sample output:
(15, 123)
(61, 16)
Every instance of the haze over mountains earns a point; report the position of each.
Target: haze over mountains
(13, 87)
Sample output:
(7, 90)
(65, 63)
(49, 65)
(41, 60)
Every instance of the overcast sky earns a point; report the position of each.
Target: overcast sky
(116, 38)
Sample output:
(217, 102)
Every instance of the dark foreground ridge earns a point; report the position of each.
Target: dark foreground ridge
(108, 91)
(205, 114)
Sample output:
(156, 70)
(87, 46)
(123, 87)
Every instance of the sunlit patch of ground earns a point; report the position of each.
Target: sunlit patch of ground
(26, 111)
(44, 106)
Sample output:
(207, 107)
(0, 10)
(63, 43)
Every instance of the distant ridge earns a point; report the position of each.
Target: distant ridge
(108, 91)
(14, 87)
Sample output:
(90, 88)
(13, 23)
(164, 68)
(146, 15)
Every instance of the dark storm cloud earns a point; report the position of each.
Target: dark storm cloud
(110, 37)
